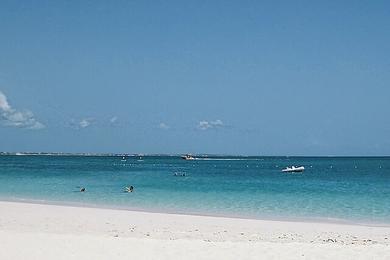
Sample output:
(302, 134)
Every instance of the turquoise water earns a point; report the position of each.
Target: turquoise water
(344, 189)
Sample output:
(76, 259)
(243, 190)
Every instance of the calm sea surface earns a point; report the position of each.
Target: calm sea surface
(330, 189)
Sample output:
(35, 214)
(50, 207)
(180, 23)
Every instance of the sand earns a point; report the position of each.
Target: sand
(34, 231)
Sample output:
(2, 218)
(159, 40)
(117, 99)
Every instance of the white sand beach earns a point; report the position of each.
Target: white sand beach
(34, 231)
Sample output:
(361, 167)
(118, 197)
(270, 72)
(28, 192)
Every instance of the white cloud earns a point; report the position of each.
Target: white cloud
(113, 119)
(216, 123)
(4, 106)
(85, 123)
(163, 126)
(205, 125)
(15, 118)
(81, 123)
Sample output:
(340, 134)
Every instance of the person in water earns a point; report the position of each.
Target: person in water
(82, 189)
(129, 189)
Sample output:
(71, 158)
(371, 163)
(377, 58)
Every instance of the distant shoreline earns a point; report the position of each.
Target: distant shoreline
(179, 155)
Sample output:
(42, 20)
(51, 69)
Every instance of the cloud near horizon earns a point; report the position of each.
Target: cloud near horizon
(113, 119)
(81, 124)
(15, 118)
(164, 126)
(85, 123)
(205, 125)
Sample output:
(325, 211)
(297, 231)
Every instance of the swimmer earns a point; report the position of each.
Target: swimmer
(129, 189)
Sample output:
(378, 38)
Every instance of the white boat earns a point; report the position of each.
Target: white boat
(188, 157)
(294, 169)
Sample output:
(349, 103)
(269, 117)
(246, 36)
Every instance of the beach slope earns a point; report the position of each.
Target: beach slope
(34, 231)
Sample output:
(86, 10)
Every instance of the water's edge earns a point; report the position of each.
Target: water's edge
(184, 213)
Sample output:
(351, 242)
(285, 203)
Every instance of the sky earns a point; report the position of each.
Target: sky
(220, 77)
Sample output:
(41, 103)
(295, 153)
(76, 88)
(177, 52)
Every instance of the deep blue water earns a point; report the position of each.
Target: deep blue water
(350, 189)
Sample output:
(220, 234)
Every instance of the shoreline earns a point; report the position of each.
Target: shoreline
(69, 232)
(309, 220)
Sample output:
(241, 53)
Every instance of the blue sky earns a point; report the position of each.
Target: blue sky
(231, 77)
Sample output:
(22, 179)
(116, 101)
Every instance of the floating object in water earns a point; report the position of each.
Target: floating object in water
(188, 157)
(294, 169)
(179, 174)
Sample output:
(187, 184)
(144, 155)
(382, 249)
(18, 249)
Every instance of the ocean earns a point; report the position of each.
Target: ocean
(331, 189)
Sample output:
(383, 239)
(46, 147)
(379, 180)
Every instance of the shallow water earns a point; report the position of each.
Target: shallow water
(343, 189)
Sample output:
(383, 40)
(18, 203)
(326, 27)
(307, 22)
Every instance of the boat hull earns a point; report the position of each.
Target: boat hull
(293, 169)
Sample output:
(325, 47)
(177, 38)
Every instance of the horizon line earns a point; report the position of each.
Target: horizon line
(173, 154)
